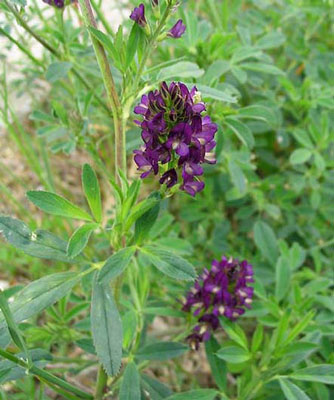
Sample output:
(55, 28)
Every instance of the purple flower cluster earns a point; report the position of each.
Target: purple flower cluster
(222, 290)
(177, 138)
(138, 15)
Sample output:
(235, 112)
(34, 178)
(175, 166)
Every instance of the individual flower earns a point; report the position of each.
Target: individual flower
(177, 138)
(177, 30)
(224, 290)
(138, 15)
(155, 3)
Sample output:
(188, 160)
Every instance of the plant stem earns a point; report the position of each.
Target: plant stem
(45, 376)
(102, 378)
(115, 104)
(151, 43)
(22, 48)
(24, 25)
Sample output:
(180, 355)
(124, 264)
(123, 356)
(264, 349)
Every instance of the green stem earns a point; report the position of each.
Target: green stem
(151, 43)
(22, 48)
(101, 383)
(115, 104)
(24, 25)
(46, 376)
(323, 245)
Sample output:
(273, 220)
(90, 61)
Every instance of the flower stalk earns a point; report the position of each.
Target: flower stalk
(45, 376)
(114, 101)
(151, 43)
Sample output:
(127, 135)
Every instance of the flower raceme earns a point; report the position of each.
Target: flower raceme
(178, 139)
(223, 290)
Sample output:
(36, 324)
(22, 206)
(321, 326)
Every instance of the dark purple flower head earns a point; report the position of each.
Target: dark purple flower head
(138, 15)
(155, 3)
(222, 290)
(177, 138)
(177, 30)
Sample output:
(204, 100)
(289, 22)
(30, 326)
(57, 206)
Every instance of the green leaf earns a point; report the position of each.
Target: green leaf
(132, 44)
(106, 328)
(116, 264)
(257, 338)
(261, 67)
(303, 138)
(41, 116)
(239, 74)
(300, 156)
(41, 294)
(258, 112)
(161, 351)
(78, 241)
(178, 245)
(266, 241)
(217, 365)
(169, 263)
(271, 40)
(299, 348)
(92, 192)
(21, 3)
(233, 354)
(200, 394)
(138, 210)
(237, 176)
(318, 373)
(182, 69)
(87, 345)
(129, 322)
(244, 52)
(130, 387)
(241, 130)
(216, 70)
(216, 94)
(291, 391)
(299, 327)
(13, 328)
(4, 338)
(58, 70)
(156, 389)
(40, 243)
(283, 276)
(146, 221)
(106, 43)
(296, 256)
(234, 332)
(54, 204)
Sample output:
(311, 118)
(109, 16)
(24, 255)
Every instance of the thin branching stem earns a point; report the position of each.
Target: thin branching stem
(114, 101)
